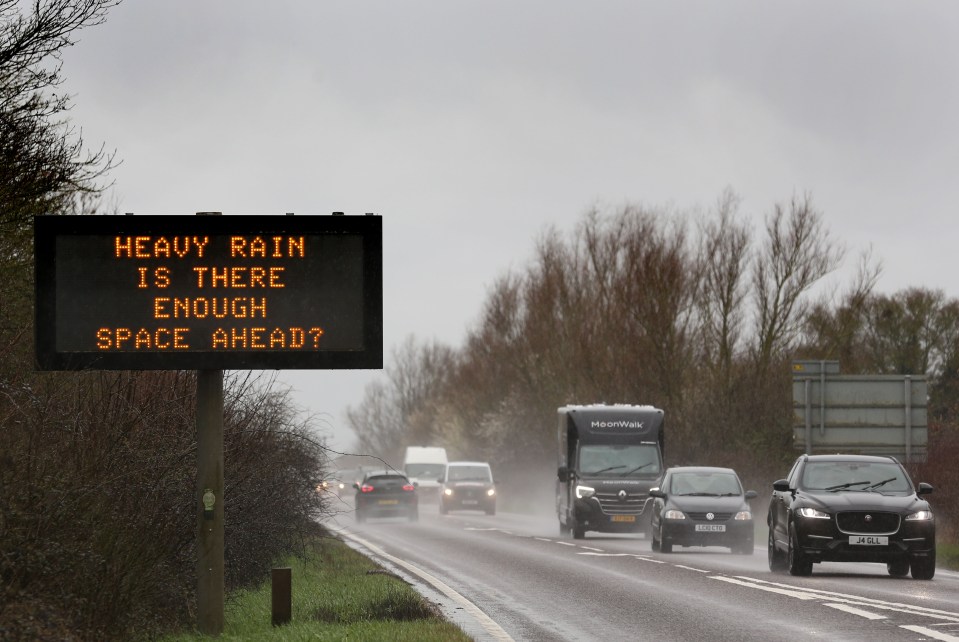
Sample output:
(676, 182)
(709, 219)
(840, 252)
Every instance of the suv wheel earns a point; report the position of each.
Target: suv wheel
(923, 568)
(798, 564)
(899, 568)
(777, 559)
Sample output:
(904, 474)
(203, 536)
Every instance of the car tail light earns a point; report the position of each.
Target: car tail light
(409, 488)
(366, 488)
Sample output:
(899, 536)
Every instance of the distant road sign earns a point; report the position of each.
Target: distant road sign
(208, 292)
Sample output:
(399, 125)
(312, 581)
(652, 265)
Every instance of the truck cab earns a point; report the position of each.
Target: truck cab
(609, 458)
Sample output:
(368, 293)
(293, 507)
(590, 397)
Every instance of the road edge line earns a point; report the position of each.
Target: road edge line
(494, 630)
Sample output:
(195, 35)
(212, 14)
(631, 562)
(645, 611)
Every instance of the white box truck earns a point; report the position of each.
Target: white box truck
(425, 465)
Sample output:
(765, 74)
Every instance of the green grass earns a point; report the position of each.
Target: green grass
(337, 594)
(947, 556)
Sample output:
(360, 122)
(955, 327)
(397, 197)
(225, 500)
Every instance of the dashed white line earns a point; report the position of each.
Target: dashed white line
(869, 615)
(798, 594)
(935, 635)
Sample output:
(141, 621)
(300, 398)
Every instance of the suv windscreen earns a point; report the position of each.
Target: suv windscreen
(838, 476)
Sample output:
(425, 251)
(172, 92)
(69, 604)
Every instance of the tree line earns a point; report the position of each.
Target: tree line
(98, 469)
(697, 312)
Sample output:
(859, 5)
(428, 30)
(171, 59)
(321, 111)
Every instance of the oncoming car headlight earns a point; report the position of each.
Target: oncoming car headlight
(674, 514)
(585, 492)
(491, 492)
(922, 515)
(743, 515)
(812, 512)
(448, 492)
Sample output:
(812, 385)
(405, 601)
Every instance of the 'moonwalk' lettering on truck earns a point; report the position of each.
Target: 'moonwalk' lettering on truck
(142, 292)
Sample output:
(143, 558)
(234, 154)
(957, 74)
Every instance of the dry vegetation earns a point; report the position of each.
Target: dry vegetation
(696, 313)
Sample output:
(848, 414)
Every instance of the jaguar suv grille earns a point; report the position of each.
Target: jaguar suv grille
(868, 522)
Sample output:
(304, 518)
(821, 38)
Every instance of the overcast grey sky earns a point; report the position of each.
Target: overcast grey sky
(472, 126)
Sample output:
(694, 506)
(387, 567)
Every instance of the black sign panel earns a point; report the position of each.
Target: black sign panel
(208, 292)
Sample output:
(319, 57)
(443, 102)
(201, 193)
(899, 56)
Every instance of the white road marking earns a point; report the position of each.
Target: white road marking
(851, 609)
(486, 622)
(690, 568)
(590, 548)
(949, 616)
(932, 633)
(798, 594)
(497, 530)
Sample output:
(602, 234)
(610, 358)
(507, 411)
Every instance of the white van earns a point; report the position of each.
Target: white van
(424, 465)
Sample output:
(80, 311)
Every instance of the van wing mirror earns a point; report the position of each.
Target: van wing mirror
(563, 473)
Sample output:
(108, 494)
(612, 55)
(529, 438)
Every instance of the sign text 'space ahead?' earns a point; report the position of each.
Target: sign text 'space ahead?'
(242, 292)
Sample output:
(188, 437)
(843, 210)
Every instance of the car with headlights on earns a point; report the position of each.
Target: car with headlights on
(701, 506)
(386, 494)
(851, 508)
(467, 485)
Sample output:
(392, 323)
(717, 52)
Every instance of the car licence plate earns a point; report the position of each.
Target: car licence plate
(869, 540)
(710, 528)
(388, 502)
(623, 518)
(470, 502)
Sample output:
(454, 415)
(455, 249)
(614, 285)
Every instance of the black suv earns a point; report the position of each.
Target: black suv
(851, 508)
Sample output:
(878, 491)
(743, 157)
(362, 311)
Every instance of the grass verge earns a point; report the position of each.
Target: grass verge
(338, 594)
(947, 556)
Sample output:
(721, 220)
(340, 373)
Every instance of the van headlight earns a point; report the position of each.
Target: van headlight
(585, 492)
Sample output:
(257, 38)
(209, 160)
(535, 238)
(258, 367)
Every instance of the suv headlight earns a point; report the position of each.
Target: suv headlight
(585, 492)
(922, 515)
(812, 512)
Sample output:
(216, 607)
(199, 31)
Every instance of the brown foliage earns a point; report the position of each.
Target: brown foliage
(97, 498)
(941, 471)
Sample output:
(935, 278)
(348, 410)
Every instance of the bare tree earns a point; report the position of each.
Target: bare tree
(797, 253)
(390, 415)
(43, 163)
(722, 296)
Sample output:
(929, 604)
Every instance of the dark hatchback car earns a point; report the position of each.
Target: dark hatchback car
(701, 506)
(851, 508)
(386, 494)
(468, 485)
